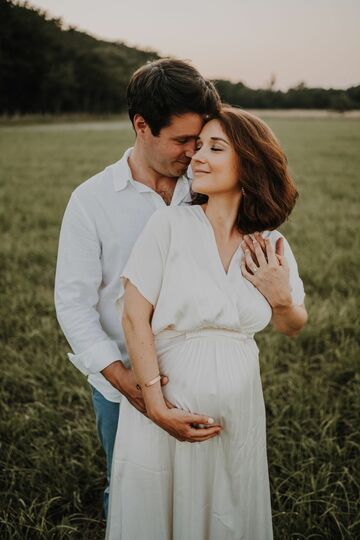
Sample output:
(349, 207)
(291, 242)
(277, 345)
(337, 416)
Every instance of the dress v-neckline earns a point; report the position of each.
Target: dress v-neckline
(216, 249)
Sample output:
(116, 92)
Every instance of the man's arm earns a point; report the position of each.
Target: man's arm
(77, 282)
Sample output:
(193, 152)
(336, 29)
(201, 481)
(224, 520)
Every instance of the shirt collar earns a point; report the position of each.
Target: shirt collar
(123, 174)
(123, 177)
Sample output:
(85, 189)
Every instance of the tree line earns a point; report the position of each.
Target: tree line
(47, 68)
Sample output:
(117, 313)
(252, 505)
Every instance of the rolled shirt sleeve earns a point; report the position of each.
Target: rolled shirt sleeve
(77, 282)
(96, 358)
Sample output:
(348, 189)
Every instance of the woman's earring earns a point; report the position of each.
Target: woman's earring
(243, 191)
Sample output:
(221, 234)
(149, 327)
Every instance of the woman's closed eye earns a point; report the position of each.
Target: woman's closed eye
(213, 148)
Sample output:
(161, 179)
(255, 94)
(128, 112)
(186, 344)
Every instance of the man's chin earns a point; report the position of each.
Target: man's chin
(179, 169)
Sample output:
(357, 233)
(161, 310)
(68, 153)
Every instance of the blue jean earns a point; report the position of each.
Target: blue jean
(107, 415)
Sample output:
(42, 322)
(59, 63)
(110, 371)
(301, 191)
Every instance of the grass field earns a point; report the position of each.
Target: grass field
(52, 467)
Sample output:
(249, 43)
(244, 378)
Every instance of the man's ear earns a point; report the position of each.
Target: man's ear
(140, 124)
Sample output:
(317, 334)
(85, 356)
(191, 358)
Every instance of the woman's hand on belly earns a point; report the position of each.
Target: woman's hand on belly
(180, 424)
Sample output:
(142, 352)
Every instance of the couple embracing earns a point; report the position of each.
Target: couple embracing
(169, 262)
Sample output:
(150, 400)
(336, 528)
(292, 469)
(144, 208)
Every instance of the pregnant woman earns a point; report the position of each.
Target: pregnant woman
(197, 287)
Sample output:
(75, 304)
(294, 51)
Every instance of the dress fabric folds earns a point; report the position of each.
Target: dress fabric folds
(204, 323)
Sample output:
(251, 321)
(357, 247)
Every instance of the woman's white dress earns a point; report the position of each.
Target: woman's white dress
(204, 321)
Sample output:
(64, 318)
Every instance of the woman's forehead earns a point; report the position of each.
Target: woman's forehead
(213, 129)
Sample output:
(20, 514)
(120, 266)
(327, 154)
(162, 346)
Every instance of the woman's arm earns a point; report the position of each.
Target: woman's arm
(289, 320)
(140, 345)
(271, 277)
(141, 348)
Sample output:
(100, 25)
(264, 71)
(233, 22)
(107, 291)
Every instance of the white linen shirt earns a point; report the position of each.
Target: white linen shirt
(102, 221)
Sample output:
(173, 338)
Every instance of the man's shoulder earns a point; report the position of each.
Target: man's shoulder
(100, 182)
(105, 182)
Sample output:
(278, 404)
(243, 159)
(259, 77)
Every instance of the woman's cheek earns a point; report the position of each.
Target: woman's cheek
(199, 184)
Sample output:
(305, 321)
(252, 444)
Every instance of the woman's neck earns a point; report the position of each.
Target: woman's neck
(222, 213)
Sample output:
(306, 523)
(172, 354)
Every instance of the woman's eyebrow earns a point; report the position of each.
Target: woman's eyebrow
(218, 139)
(213, 139)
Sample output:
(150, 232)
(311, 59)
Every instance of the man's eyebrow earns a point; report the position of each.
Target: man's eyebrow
(185, 137)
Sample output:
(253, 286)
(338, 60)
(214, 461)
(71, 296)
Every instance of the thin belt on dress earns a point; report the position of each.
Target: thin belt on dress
(209, 332)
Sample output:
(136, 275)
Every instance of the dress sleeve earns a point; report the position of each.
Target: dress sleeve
(145, 266)
(296, 284)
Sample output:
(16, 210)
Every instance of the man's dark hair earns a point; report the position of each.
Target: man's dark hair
(163, 88)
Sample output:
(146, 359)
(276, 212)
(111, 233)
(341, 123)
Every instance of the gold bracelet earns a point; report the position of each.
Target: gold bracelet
(150, 383)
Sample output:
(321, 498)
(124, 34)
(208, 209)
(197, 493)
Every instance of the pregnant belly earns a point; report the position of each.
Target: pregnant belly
(214, 375)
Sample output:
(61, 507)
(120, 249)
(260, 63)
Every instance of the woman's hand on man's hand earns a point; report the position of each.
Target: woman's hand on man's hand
(123, 379)
(181, 425)
(267, 269)
(177, 422)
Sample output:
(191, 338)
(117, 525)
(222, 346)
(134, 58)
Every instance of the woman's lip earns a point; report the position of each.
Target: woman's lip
(199, 171)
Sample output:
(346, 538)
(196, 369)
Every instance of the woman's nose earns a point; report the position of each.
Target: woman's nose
(197, 156)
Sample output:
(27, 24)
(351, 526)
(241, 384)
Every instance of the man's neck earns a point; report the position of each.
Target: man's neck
(143, 173)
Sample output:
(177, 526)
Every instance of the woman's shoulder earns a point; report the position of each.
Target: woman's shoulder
(171, 214)
(274, 237)
(167, 219)
(160, 216)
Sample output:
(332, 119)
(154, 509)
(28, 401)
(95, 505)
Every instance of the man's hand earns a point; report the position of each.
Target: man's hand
(123, 379)
(270, 276)
(248, 243)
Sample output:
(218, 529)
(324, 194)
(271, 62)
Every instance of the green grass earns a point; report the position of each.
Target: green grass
(52, 467)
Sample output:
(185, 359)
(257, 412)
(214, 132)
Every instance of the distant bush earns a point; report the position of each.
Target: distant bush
(342, 102)
(299, 97)
(45, 68)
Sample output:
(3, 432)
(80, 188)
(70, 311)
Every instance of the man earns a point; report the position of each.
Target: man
(168, 101)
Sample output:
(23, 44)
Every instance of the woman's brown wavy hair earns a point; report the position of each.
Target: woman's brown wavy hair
(269, 191)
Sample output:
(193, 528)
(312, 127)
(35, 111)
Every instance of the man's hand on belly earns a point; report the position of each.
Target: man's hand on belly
(123, 379)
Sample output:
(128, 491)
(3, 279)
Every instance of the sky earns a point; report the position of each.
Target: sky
(314, 41)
